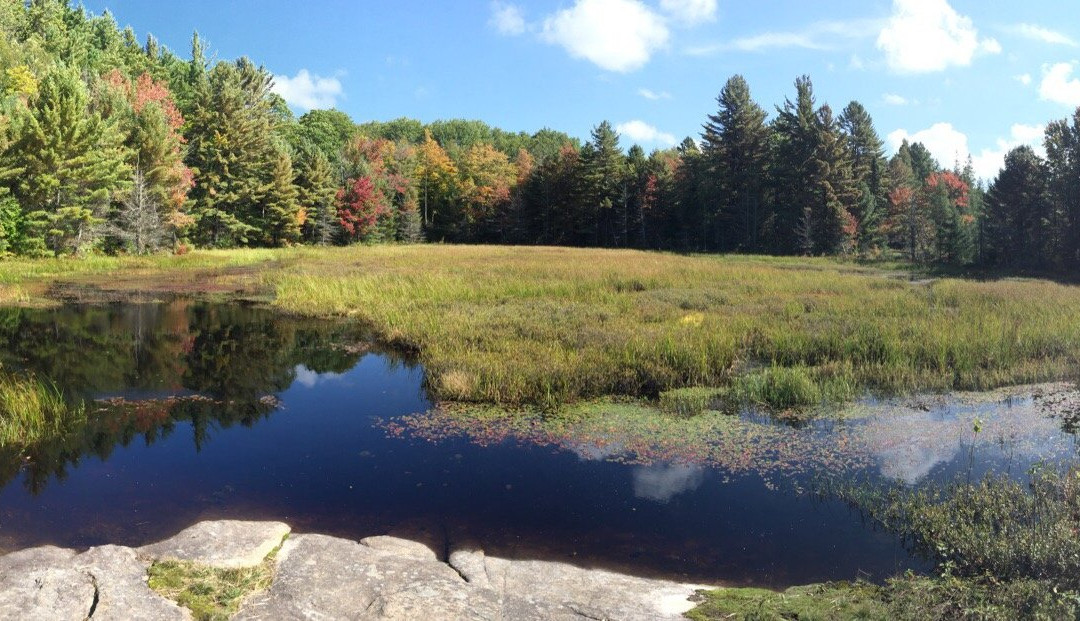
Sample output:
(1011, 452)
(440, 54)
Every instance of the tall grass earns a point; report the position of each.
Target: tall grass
(533, 325)
(523, 325)
(32, 411)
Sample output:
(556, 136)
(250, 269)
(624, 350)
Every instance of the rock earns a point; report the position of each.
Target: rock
(42, 583)
(122, 592)
(563, 588)
(224, 543)
(326, 577)
(107, 583)
(321, 577)
(401, 547)
(469, 562)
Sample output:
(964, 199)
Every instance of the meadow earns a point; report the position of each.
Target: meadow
(548, 326)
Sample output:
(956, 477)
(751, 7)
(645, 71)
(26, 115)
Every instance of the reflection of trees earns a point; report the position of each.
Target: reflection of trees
(213, 365)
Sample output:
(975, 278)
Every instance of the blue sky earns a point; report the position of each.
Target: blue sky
(962, 76)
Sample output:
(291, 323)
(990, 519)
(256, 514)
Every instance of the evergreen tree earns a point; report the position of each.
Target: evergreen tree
(1063, 171)
(279, 220)
(71, 162)
(1017, 210)
(830, 224)
(735, 144)
(601, 192)
(869, 172)
(316, 189)
(792, 158)
(231, 153)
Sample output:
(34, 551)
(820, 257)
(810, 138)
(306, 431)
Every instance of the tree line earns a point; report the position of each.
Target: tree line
(110, 144)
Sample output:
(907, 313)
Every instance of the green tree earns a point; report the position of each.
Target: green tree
(601, 187)
(71, 161)
(316, 187)
(230, 149)
(1018, 212)
(792, 157)
(735, 144)
(869, 171)
(280, 218)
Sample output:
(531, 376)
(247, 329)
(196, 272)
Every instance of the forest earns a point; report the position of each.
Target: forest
(112, 145)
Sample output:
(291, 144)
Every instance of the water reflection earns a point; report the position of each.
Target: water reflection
(662, 483)
(144, 368)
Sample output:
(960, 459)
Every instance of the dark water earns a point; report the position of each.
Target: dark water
(280, 418)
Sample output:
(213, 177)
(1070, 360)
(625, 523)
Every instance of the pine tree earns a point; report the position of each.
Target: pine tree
(316, 188)
(72, 162)
(601, 190)
(230, 151)
(869, 172)
(279, 221)
(1063, 171)
(832, 227)
(792, 157)
(1017, 212)
(735, 144)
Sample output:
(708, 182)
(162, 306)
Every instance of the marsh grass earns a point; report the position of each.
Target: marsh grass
(210, 593)
(1004, 550)
(546, 326)
(995, 527)
(33, 411)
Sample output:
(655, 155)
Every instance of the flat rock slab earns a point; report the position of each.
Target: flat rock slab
(562, 590)
(226, 544)
(42, 583)
(108, 583)
(320, 577)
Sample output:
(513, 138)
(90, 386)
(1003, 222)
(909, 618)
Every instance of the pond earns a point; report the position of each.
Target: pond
(229, 410)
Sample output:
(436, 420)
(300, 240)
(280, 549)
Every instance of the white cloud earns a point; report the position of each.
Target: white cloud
(642, 132)
(894, 100)
(923, 36)
(989, 162)
(690, 12)
(308, 91)
(948, 146)
(826, 35)
(774, 40)
(652, 95)
(1023, 78)
(1038, 33)
(944, 142)
(507, 19)
(1058, 86)
(616, 35)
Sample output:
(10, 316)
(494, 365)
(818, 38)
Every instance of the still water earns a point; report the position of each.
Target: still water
(207, 411)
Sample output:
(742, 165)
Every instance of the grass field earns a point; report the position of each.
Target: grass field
(545, 326)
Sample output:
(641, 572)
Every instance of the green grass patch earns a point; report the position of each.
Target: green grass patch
(818, 602)
(690, 401)
(903, 598)
(210, 593)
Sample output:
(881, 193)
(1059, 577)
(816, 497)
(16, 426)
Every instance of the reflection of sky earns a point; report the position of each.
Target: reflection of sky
(662, 483)
(309, 379)
(909, 444)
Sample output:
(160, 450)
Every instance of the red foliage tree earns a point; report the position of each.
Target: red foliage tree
(360, 207)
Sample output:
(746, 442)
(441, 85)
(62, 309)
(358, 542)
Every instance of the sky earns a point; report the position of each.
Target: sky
(963, 77)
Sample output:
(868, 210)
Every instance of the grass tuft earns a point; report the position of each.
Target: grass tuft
(32, 411)
(210, 593)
